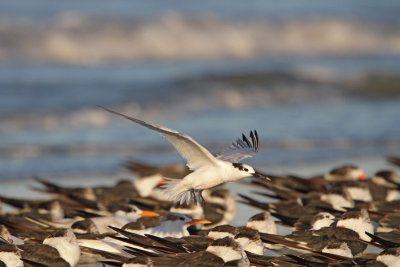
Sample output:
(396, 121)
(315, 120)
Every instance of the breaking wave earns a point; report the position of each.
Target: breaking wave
(77, 39)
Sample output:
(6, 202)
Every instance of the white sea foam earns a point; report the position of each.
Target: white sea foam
(79, 39)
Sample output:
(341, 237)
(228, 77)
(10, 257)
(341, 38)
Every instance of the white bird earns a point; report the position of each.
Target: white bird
(208, 170)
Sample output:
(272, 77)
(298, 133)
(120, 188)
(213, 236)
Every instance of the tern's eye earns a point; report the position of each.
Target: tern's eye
(246, 170)
(181, 219)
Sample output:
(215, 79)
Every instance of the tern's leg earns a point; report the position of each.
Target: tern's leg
(193, 193)
(198, 197)
(201, 196)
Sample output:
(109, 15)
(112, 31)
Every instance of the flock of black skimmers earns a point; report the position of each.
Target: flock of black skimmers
(341, 218)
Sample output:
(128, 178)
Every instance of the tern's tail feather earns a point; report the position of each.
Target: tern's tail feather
(177, 191)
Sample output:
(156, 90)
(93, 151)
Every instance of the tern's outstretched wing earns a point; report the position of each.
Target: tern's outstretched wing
(195, 154)
(241, 149)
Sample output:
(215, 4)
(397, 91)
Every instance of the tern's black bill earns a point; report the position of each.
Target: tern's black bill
(260, 175)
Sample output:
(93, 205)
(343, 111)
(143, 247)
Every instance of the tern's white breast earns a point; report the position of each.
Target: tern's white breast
(210, 176)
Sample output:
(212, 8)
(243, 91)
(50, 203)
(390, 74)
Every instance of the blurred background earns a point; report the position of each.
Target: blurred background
(320, 81)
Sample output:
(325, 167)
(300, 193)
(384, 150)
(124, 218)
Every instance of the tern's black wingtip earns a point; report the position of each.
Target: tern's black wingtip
(103, 107)
(113, 111)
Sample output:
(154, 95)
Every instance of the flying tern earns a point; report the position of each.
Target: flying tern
(208, 170)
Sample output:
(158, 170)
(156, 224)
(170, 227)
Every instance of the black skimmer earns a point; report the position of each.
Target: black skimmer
(47, 209)
(321, 240)
(250, 240)
(345, 173)
(222, 231)
(394, 159)
(293, 209)
(390, 257)
(173, 225)
(339, 197)
(290, 186)
(70, 192)
(170, 225)
(389, 222)
(229, 250)
(59, 249)
(263, 223)
(97, 198)
(314, 222)
(338, 247)
(357, 221)
(10, 255)
(388, 206)
(124, 215)
(202, 258)
(384, 186)
(217, 253)
(357, 190)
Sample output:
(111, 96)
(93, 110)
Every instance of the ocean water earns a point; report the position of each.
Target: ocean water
(319, 81)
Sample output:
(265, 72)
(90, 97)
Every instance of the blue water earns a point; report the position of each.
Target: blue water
(54, 87)
(305, 132)
(211, 69)
(387, 10)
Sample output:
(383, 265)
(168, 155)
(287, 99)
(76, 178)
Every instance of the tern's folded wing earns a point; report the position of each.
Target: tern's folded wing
(195, 154)
(241, 149)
